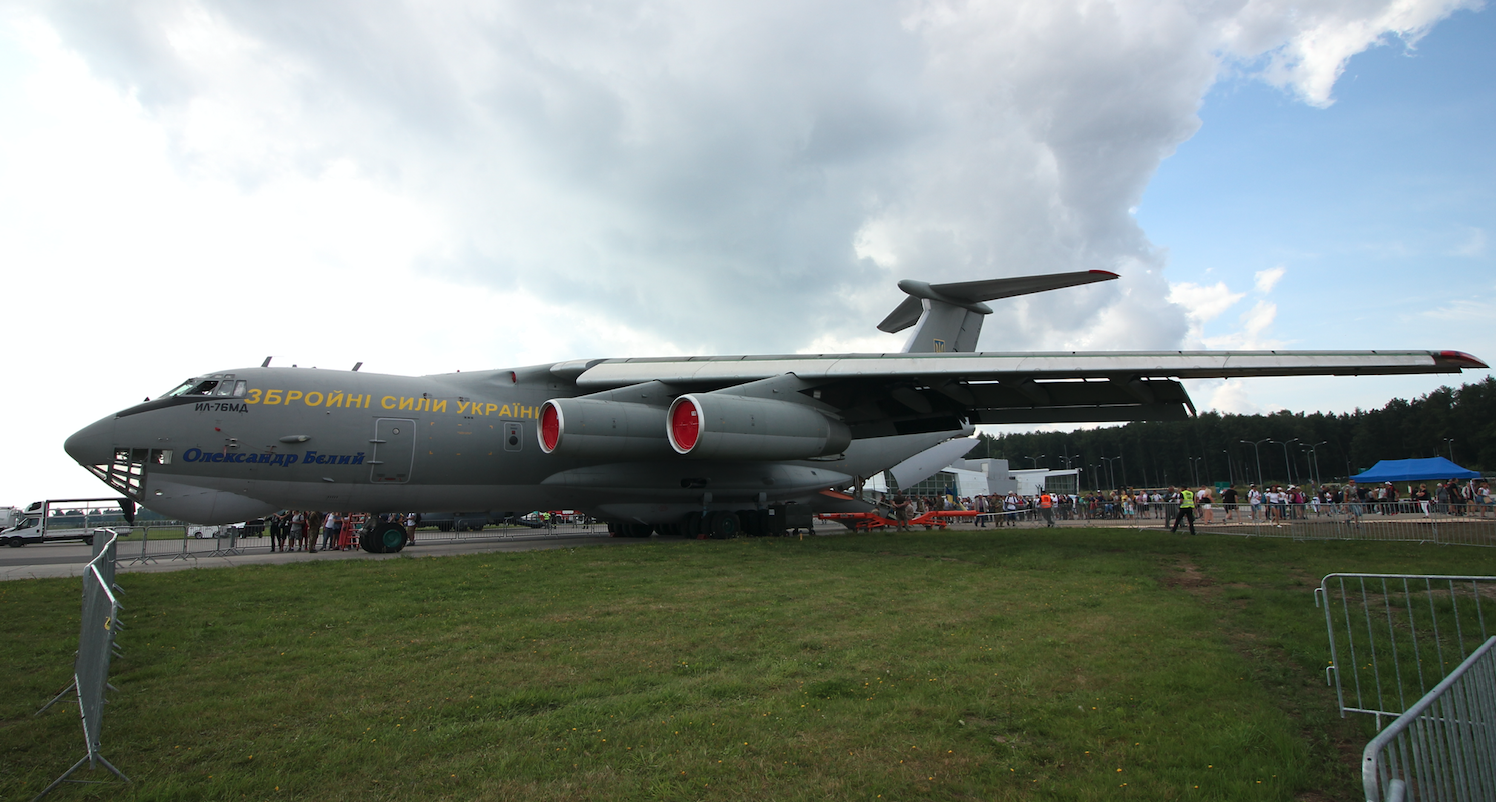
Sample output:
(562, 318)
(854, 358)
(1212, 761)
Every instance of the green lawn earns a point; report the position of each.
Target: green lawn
(1029, 664)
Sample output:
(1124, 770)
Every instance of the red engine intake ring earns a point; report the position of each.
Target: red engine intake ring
(684, 426)
(550, 427)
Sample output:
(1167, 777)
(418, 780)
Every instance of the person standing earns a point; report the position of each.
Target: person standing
(1422, 499)
(901, 505)
(411, 520)
(330, 530)
(1353, 497)
(1228, 498)
(298, 529)
(1186, 510)
(1046, 507)
(313, 527)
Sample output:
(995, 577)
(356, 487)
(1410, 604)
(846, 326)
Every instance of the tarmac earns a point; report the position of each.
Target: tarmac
(52, 560)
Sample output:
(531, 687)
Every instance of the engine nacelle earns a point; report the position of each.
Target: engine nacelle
(715, 426)
(591, 428)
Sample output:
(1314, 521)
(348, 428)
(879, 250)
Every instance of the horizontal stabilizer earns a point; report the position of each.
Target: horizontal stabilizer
(970, 294)
(927, 463)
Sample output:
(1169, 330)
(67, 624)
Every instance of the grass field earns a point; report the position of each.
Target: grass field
(1033, 664)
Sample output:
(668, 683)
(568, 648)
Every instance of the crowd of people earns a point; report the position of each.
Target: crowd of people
(300, 530)
(1271, 503)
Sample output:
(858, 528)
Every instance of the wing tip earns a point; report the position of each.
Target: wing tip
(1108, 275)
(1460, 360)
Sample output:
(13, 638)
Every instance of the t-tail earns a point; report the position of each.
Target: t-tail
(948, 317)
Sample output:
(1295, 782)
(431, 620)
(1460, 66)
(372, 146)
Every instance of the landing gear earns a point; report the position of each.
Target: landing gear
(630, 530)
(756, 523)
(387, 538)
(724, 525)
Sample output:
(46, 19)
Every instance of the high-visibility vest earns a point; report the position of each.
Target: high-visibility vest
(1187, 498)
(1045, 500)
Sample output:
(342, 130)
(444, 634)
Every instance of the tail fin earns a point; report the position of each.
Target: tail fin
(948, 317)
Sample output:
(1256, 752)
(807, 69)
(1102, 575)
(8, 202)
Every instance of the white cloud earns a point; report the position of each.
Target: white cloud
(1201, 305)
(1307, 43)
(1229, 396)
(1204, 303)
(1267, 279)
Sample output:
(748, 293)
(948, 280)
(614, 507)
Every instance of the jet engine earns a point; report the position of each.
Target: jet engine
(716, 426)
(591, 428)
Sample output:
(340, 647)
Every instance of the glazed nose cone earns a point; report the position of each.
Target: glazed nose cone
(93, 444)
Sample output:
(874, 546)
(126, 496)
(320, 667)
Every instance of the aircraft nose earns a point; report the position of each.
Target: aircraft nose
(93, 444)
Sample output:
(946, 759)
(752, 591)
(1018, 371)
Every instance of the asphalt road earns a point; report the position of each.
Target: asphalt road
(39, 561)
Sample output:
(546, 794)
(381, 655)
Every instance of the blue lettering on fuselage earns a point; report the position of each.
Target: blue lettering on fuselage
(309, 458)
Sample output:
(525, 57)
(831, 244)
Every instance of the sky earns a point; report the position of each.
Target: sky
(187, 188)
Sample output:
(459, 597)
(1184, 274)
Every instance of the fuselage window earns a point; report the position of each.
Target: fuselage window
(239, 388)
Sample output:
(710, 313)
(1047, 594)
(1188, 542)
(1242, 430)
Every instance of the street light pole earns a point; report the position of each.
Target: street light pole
(1258, 453)
(1230, 469)
(1286, 462)
(1313, 449)
(1112, 471)
(1450, 442)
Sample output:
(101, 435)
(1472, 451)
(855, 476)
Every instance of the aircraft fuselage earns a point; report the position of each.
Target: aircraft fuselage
(264, 439)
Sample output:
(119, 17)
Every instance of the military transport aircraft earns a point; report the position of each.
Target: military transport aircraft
(690, 445)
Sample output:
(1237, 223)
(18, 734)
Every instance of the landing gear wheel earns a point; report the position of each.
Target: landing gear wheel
(724, 525)
(754, 524)
(692, 528)
(387, 538)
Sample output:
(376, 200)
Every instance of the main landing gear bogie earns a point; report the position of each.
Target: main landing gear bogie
(387, 538)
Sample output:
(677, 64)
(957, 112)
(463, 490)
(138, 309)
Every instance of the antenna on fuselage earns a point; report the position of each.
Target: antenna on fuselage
(356, 366)
(266, 363)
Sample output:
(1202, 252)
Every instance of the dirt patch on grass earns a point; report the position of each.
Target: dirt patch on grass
(1189, 577)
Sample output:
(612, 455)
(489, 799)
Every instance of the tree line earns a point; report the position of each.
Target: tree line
(1280, 448)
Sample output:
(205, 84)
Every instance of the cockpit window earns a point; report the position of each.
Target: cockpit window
(194, 387)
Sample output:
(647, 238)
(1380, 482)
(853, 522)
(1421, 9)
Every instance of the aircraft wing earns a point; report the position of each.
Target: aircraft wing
(879, 394)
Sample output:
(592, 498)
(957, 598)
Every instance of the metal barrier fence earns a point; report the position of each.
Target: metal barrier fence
(97, 630)
(1393, 636)
(1444, 746)
(1405, 522)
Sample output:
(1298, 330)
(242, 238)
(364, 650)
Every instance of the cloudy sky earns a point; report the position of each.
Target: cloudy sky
(428, 187)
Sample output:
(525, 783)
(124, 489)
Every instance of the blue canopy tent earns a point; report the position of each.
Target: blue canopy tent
(1414, 470)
